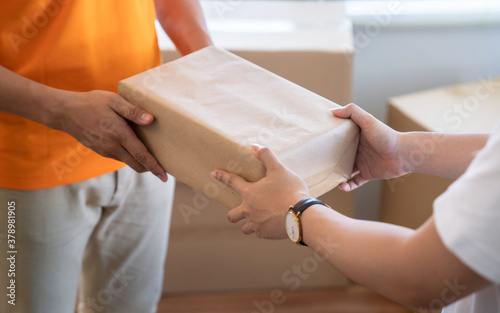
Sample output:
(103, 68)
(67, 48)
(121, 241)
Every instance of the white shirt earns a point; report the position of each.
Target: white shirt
(467, 218)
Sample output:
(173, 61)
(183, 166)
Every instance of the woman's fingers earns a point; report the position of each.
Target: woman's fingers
(235, 215)
(355, 182)
(232, 180)
(247, 229)
(267, 157)
(357, 115)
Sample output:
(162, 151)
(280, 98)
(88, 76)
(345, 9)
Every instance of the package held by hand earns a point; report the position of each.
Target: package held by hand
(211, 106)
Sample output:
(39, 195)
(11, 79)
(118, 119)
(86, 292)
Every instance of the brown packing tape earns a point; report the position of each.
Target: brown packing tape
(211, 105)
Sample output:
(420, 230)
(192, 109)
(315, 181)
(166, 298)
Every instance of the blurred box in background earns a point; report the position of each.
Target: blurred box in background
(470, 107)
(310, 44)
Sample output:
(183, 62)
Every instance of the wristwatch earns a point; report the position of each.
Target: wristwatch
(292, 218)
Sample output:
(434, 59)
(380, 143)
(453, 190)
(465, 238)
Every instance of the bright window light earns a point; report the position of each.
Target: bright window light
(251, 26)
(359, 8)
(426, 13)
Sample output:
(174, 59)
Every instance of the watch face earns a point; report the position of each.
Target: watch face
(292, 226)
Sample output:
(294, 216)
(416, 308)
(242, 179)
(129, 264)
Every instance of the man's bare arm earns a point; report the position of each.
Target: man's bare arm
(184, 23)
(79, 112)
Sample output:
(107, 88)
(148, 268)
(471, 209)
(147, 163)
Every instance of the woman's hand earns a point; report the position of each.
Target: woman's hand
(265, 202)
(380, 152)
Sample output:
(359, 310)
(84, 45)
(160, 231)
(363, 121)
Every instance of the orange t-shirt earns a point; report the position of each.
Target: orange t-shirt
(72, 45)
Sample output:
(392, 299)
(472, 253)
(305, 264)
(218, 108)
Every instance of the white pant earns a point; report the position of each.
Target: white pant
(110, 233)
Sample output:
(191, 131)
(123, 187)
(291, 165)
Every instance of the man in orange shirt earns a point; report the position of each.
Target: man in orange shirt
(71, 205)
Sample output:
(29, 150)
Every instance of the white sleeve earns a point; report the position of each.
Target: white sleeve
(467, 215)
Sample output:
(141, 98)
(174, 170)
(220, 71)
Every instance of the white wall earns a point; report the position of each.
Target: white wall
(402, 60)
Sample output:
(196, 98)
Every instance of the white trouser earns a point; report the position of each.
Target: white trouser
(110, 233)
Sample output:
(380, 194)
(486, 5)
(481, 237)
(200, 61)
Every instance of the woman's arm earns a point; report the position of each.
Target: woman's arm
(441, 154)
(412, 267)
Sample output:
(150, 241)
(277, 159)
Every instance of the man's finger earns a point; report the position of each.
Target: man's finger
(126, 158)
(268, 158)
(131, 112)
(234, 181)
(141, 155)
(235, 215)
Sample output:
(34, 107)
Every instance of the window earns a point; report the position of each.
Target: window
(404, 12)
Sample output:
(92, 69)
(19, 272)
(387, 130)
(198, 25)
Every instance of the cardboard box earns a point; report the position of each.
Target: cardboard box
(211, 105)
(309, 43)
(470, 107)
